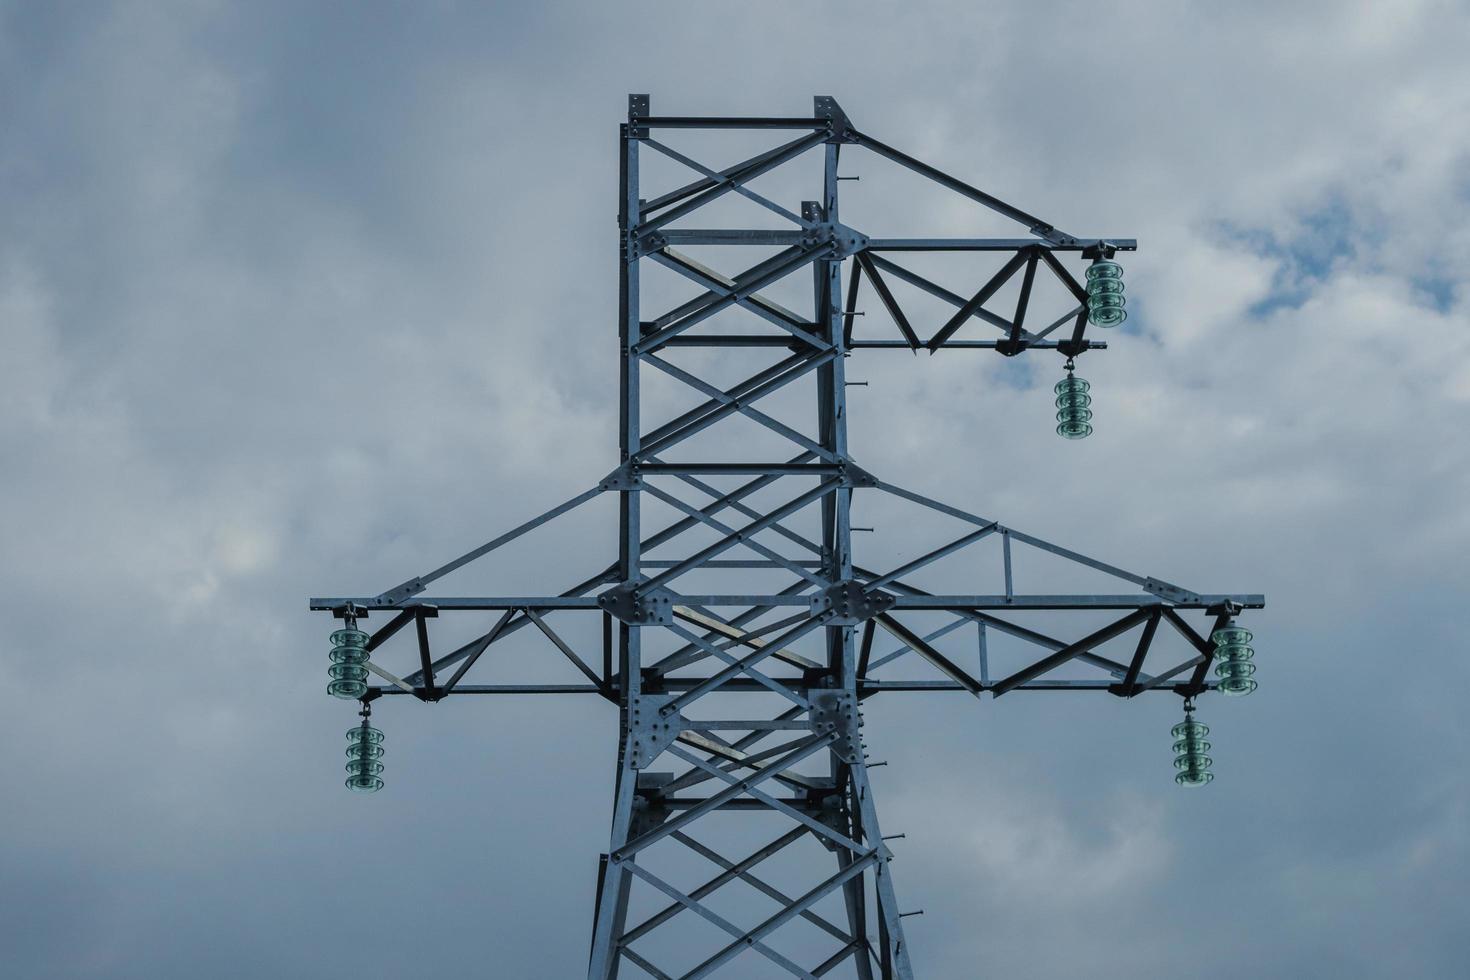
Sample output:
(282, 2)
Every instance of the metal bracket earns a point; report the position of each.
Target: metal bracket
(855, 476)
(649, 730)
(826, 107)
(625, 477)
(849, 604)
(837, 712)
(844, 240)
(649, 810)
(1171, 592)
(654, 607)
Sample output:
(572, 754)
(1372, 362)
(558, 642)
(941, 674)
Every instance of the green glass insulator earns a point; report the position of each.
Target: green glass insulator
(364, 749)
(1233, 654)
(1074, 412)
(1190, 748)
(1105, 293)
(349, 653)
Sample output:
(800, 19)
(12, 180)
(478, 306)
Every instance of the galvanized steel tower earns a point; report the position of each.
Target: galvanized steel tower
(741, 708)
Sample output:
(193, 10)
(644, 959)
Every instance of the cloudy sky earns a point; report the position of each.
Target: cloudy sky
(303, 299)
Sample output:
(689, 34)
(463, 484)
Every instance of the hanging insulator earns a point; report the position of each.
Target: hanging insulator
(1233, 655)
(1189, 750)
(349, 654)
(364, 749)
(1105, 293)
(1074, 414)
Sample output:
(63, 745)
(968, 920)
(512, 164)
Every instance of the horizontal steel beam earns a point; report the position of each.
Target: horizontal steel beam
(1136, 601)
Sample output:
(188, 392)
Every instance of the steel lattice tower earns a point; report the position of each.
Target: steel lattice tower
(800, 655)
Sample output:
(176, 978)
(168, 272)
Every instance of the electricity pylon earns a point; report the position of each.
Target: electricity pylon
(696, 767)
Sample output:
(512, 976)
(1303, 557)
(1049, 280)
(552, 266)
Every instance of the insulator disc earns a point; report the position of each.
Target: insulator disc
(1074, 416)
(1105, 293)
(1190, 748)
(364, 749)
(1233, 660)
(349, 652)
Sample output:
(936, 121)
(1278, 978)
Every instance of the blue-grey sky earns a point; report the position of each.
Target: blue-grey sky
(302, 299)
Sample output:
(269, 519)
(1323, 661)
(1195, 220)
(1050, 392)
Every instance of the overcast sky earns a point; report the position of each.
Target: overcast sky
(304, 299)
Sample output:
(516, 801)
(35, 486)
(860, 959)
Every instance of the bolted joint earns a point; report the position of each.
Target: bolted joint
(849, 604)
(637, 608)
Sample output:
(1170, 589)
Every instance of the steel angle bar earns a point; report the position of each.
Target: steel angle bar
(737, 758)
(981, 344)
(1033, 224)
(703, 184)
(382, 634)
(397, 682)
(726, 529)
(754, 414)
(945, 666)
(474, 648)
(737, 184)
(1020, 632)
(738, 390)
(1024, 299)
(745, 786)
(1051, 327)
(992, 244)
(1129, 686)
(1143, 600)
(737, 786)
(928, 638)
(733, 236)
(720, 502)
(509, 689)
(780, 469)
(1032, 540)
(850, 311)
(938, 292)
(788, 262)
(691, 637)
(976, 301)
(885, 296)
(679, 702)
(932, 504)
(417, 585)
(1168, 675)
(932, 556)
(731, 871)
(735, 755)
(731, 122)
(807, 364)
(784, 916)
(1065, 277)
(643, 964)
(792, 150)
(779, 528)
(745, 941)
(561, 645)
(686, 655)
(1070, 652)
(737, 537)
(721, 286)
(751, 638)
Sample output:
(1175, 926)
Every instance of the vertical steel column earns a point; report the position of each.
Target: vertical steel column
(612, 901)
